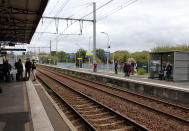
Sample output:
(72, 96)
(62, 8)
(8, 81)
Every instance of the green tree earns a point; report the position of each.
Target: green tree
(141, 58)
(100, 55)
(81, 53)
(61, 56)
(171, 48)
(120, 56)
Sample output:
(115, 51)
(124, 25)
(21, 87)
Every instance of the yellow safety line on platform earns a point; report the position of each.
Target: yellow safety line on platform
(25, 98)
(27, 126)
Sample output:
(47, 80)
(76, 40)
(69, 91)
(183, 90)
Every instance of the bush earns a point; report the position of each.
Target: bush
(142, 71)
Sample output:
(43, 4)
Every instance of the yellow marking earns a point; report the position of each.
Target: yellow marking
(25, 98)
(27, 126)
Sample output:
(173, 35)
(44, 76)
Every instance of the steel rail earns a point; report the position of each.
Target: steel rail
(140, 95)
(91, 128)
(132, 101)
(132, 122)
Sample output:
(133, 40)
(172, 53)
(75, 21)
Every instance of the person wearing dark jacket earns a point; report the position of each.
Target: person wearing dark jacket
(6, 70)
(116, 66)
(28, 65)
(127, 69)
(169, 69)
(19, 68)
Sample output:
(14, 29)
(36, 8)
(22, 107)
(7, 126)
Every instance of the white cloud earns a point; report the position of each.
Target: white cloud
(140, 26)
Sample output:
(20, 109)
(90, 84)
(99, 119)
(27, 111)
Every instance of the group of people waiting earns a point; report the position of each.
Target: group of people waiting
(127, 68)
(28, 67)
(165, 73)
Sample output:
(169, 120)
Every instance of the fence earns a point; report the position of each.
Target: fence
(109, 67)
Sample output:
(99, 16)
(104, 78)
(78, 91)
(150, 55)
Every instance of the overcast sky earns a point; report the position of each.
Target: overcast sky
(140, 26)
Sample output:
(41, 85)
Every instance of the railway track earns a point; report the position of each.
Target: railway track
(94, 114)
(179, 113)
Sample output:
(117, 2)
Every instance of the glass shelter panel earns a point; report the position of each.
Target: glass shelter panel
(158, 62)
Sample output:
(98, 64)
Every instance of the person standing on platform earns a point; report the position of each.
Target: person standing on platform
(19, 68)
(169, 69)
(116, 66)
(6, 70)
(132, 68)
(95, 67)
(127, 69)
(34, 69)
(28, 65)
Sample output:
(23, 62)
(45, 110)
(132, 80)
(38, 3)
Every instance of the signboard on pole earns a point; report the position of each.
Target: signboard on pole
(79, 58)
(107, 54)
(89, 54)
(71, 55)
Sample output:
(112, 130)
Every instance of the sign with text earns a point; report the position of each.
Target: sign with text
(89, 54)
(71, 55)
(79, 58)
(107, 54)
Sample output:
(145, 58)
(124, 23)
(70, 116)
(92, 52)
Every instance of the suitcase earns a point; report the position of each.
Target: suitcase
(25, 78)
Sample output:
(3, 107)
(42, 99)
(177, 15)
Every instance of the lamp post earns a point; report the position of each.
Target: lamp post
(108, 45)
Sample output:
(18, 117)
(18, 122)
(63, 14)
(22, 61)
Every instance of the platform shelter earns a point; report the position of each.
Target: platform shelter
(178, 59)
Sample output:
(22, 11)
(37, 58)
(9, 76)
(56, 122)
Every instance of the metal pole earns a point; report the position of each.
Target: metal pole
(113, 60)
(89, 52)
(79, 58)
(94, 33)
(50, 53)
(56, 51)
(108, 43)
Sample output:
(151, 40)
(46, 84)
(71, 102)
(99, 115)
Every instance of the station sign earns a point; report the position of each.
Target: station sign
(71, 55)
(11, 55)
(89, 54)
(107, 54)
(79, 58)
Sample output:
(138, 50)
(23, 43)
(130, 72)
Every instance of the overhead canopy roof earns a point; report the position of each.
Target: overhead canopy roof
(19, 19)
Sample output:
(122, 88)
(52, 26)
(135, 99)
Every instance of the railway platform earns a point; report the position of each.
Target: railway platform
(25, 106)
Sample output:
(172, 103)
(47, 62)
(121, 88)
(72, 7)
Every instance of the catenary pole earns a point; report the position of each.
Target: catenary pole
(94, 33)
(50, 53)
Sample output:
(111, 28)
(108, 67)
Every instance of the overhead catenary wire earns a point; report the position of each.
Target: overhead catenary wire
(88, 14)
(129, 2)
(118, 9)
(101, 18)
(57, 13)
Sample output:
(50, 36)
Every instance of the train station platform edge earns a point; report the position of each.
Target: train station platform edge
(57, 117)
(40, 119)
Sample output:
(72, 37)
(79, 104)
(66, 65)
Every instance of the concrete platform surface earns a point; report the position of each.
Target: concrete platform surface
(14, 108)
(59, 122)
